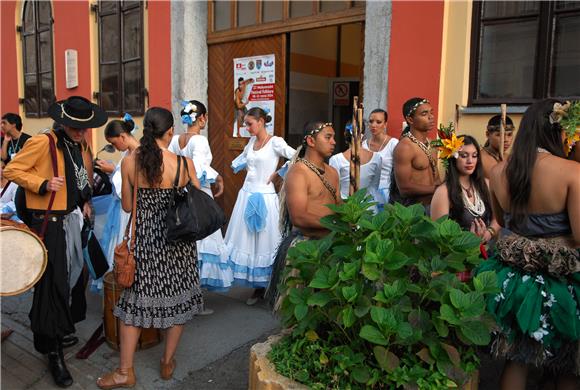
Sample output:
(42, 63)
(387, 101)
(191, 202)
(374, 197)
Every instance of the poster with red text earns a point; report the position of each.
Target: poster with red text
(254, 81)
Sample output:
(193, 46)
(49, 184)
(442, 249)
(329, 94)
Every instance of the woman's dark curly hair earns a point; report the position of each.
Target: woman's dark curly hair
(156, 123)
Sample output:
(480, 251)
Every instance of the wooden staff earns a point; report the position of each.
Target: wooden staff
(502, 127)
(355, 146)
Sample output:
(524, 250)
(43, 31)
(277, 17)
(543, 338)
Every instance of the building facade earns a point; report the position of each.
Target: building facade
(465, 57)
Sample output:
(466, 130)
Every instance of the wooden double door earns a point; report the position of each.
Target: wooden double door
(221, 114)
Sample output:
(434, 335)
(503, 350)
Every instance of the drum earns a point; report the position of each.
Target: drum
(149, 336)
(23, 259)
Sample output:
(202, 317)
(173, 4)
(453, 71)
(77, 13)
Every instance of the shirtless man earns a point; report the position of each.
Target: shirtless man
(415, 163)
(306, 193)
(309, 185)
(239, 103)
(490, 155)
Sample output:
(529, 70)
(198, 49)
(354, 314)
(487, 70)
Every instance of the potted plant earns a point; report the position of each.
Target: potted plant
(377, 302)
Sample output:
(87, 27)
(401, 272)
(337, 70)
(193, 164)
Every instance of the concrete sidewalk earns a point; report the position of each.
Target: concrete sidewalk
(226, 334)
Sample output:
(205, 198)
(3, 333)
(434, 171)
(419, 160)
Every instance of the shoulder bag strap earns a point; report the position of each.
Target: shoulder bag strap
(52, 147)
(186, 170)
(133, 221)
(177, 176)
(5, 188)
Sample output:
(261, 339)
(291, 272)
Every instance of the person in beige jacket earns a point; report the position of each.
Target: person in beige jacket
(66, 193)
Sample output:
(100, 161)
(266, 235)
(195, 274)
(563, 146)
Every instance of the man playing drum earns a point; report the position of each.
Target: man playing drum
(65, 191)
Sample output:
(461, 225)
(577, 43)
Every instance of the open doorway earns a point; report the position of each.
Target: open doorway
(325, 70)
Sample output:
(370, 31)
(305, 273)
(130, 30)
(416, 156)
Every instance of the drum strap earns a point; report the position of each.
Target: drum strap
(52, 146)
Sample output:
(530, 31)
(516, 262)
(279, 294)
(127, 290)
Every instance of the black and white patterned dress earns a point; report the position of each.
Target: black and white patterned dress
(166, 290)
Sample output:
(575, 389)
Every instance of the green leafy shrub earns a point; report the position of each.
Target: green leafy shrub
(377, 302)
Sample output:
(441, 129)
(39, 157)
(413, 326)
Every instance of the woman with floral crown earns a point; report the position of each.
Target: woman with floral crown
(253, 232)
(214, 271)
(464, 195)
(536, 197)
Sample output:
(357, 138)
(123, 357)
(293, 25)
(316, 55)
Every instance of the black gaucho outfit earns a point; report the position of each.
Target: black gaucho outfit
(55, 306)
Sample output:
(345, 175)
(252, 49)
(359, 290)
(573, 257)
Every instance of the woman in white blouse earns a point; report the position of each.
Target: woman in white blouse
(253, 232)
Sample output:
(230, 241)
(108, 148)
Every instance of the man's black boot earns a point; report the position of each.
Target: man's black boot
(69, 340)
(57, 367)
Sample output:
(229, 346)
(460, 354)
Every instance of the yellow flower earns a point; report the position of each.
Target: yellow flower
(451, 146)
(571, 141)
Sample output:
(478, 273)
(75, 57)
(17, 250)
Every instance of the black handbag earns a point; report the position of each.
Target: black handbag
(93, 254)
(192, 214)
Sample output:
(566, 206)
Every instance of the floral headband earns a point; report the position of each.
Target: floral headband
(447, 143)
(190, 115)
(126, 118)
(317, 129)
(415, 106)
(568, 116)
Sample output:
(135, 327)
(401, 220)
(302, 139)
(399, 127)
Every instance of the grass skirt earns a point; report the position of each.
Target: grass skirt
(538, 306)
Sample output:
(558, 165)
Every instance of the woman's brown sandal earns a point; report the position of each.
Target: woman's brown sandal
(114, 379)
(167, 369)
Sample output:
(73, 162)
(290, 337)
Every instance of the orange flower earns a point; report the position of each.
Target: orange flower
(451, 146)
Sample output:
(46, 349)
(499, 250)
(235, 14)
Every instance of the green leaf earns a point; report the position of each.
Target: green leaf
(295, 296)
(370, 271)
(384, 249)
(424, 229)
(349, 293)
(394, 290)
(300, 311)
(404, 330)
(476, 332)
(440, 327)
(486, 282)
(470, 304)
(323, 358)
(320, 279)
(449, 229)
(348, 271)
(302, 375)
(448, 314)
(348, 317)
(419, 319)
(458, 298)
(387, 360)
(361, 374)
(466, 241)
(456, 261)
(343, 251)
(363, 305)
(320, 298)
(396, 261)
(373, 335)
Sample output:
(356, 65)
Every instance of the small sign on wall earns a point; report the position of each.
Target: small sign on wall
(71, 68)
(341, 93)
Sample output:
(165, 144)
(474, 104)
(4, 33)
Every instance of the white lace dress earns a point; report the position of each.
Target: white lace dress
(369, 175)
(253, 231)
(386, 170)
(214, 270)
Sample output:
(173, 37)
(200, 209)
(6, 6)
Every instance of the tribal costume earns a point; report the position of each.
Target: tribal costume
(538, 306)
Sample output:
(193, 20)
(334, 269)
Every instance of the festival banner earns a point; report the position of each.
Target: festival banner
(254, 81)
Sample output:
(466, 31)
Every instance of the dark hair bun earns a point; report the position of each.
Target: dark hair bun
(268, 119)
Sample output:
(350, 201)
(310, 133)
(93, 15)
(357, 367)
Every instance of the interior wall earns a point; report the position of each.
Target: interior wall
(313, 63)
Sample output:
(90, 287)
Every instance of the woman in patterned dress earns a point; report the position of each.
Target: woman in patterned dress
(166, 292)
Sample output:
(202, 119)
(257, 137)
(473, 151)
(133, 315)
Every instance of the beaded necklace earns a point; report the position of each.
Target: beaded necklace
(426, 149)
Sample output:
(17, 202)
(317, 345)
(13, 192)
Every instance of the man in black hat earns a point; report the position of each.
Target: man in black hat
(60, 194)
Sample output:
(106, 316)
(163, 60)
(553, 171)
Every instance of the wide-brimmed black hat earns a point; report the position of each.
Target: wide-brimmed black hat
(77, 112)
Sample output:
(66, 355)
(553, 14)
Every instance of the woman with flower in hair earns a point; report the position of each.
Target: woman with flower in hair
(536, 196)
(253, 232)
(464, 195)
(118, 133)
(215, 274)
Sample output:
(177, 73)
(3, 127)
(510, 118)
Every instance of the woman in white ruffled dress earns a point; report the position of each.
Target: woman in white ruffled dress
(118, 133)
(214, 272)
(370, 172)
(384, 145)
(253, 231)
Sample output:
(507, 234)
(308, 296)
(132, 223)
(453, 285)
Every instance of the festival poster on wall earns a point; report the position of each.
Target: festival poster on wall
(254, 81)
